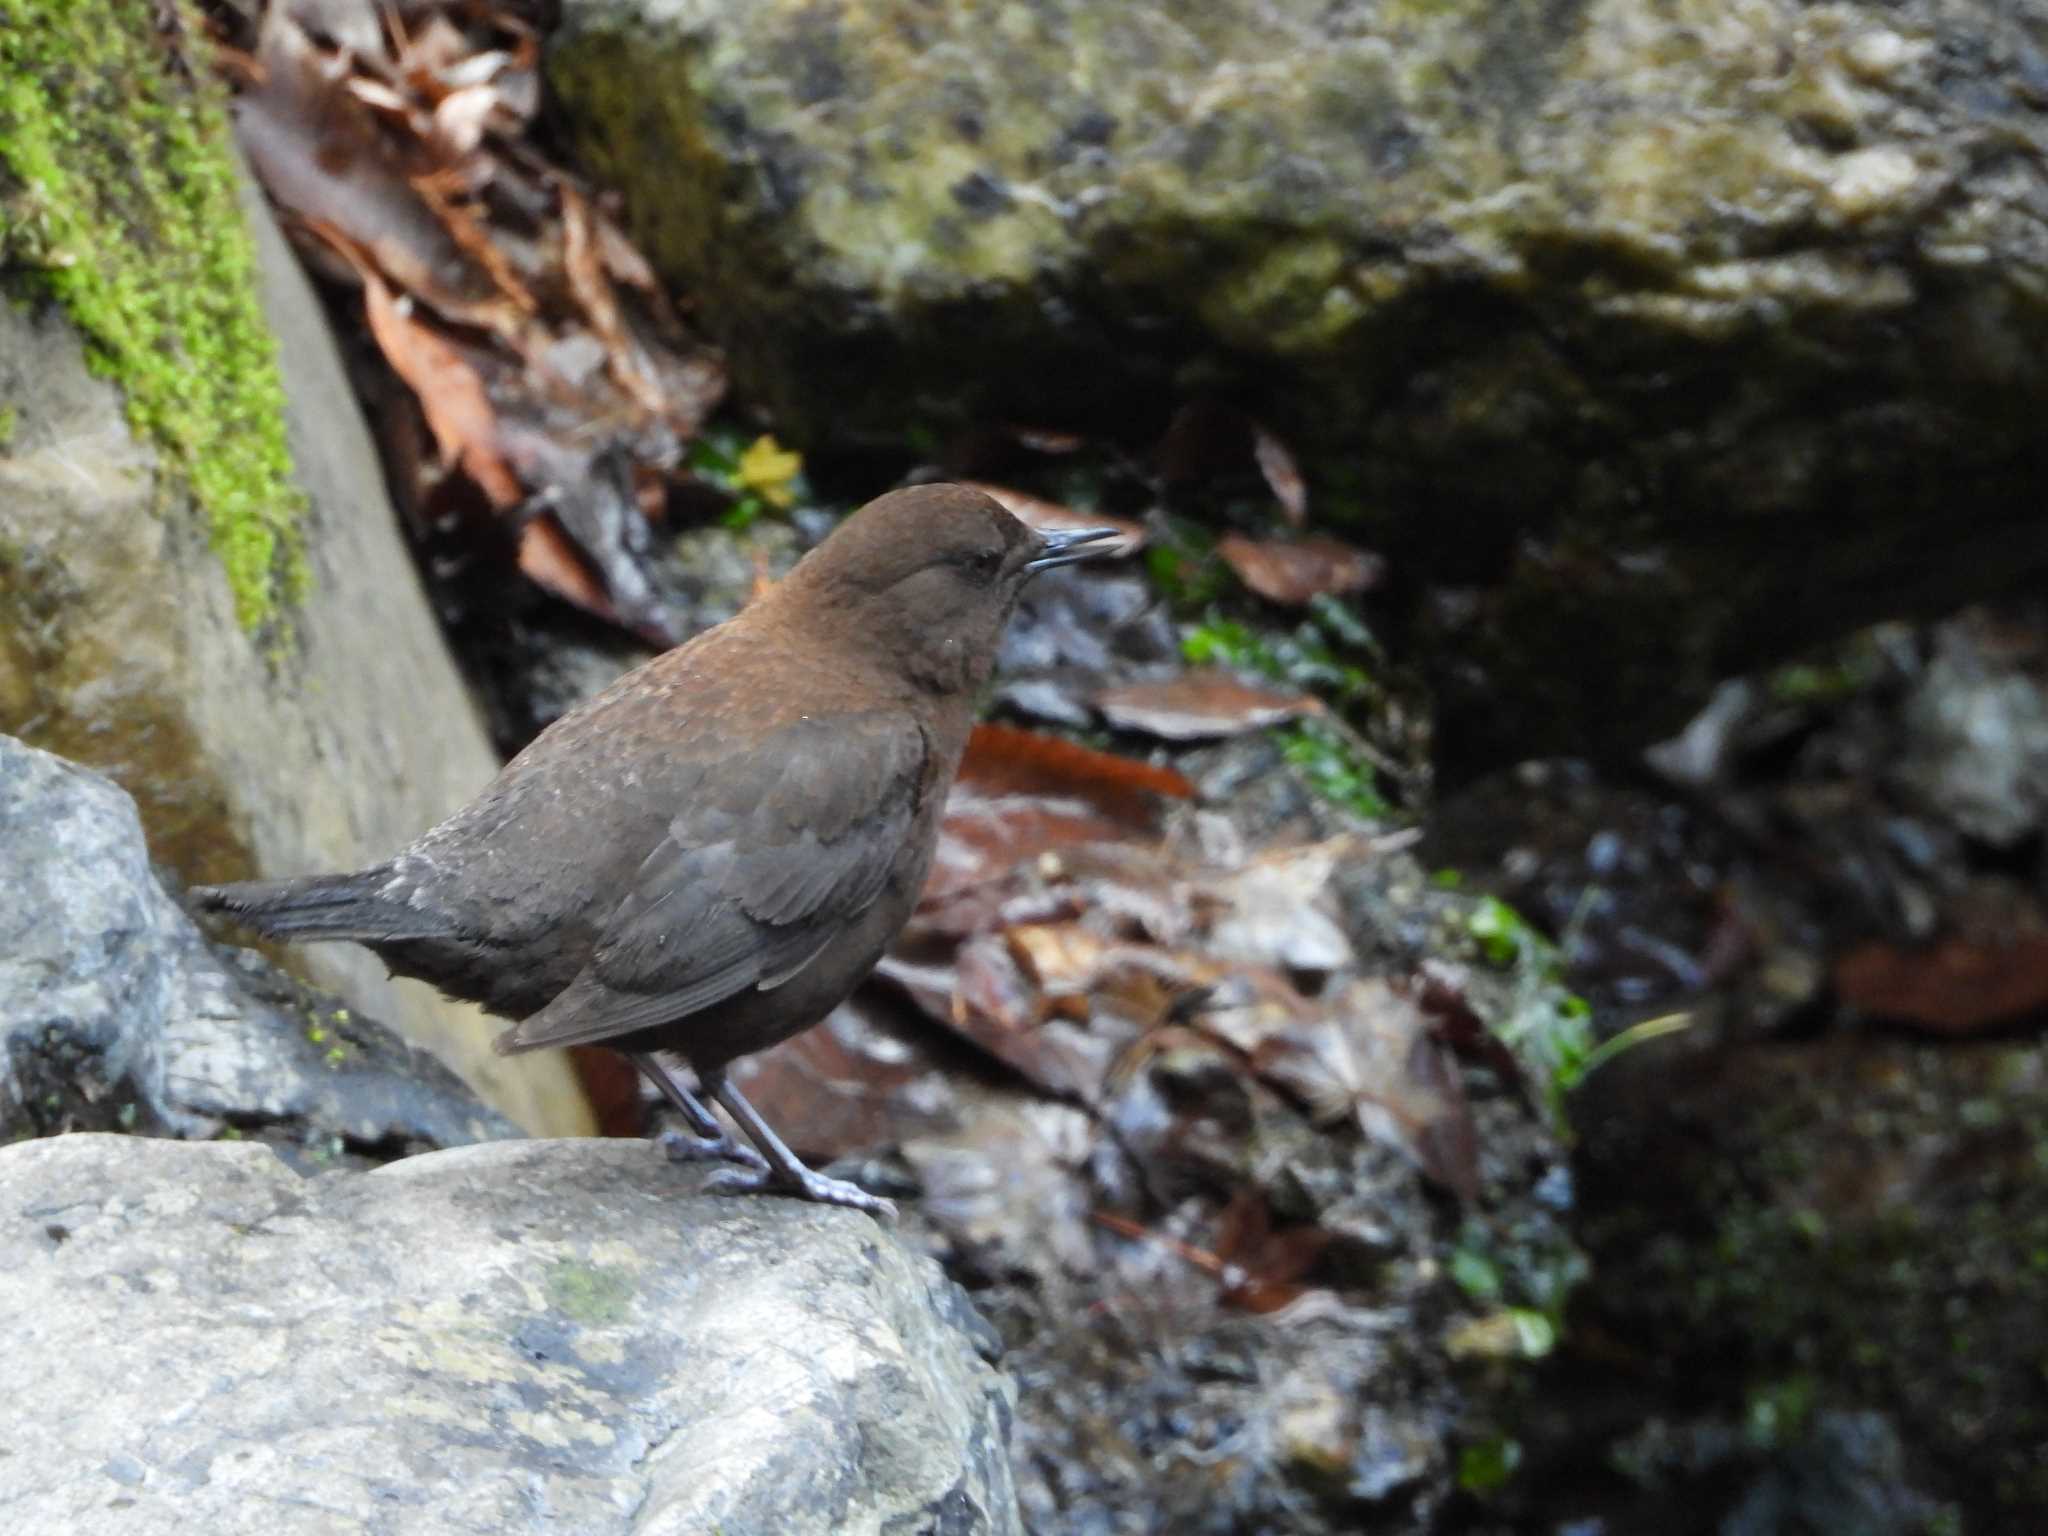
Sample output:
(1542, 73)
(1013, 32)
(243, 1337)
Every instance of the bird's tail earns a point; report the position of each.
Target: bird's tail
(351, 906)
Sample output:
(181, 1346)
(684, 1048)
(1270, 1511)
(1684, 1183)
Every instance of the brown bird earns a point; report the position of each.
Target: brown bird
(711, 854)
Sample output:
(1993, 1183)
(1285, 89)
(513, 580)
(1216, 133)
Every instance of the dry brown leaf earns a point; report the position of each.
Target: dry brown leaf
(551, 561)
(320, 156)
(1063, 960)
(1020, 795)
(1295, 572)
(592, 287)
(995, 1006)
(1954, 987)
(1370, 1056)
(1241, 1005)
(429, 50)
(488, 280)
(460, 119)
(622, 259)
(1272, 910)
(351, 23)
(1046, 440)
(1283, 475)
(449, 389)
(1042, 516)
(1201, 705)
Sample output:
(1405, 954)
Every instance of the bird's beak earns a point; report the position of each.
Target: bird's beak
(1066, 545)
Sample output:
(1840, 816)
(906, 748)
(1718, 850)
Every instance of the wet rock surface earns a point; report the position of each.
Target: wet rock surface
(1646, 343)
(1814, 1217)
(117, 1014)
(522, 1336)
(1825, 1258)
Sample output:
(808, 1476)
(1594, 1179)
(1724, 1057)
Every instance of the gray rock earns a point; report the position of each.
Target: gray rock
(116, 1013)
(529, 1336)
(1659, 341)
(1977, 736)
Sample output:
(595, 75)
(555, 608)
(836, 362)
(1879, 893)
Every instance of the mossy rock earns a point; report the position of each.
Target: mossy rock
(116, 201)
(204, 592)
(1650, 339)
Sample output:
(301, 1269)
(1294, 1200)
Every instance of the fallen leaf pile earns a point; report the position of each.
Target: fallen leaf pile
(552, 387)
(1066, 932)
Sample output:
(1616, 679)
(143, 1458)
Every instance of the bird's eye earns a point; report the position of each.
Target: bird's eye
(984, 564)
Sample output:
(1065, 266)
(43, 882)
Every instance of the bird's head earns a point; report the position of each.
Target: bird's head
(926, 578)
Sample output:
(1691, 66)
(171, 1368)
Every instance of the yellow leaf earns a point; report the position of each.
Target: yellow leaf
(767, 469)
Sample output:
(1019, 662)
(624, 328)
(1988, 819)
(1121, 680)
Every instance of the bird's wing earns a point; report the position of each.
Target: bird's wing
(780, 848)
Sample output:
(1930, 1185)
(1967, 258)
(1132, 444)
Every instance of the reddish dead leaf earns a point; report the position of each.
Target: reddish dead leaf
(984, 996)
(1044, 516)
(1020, 794)
(1201, 705)
(1283, 475)
(1955, 987)
(1211, 440)
(612, 1085)
(622, 259)
(1003, 760)
(551, 561)
(351, 23)
(460, 119)
(1257, 1269)
(448, 200)
(1298, 571)
(989, 984)
(1242, 1006)
(1263, 1265)
(450, 391)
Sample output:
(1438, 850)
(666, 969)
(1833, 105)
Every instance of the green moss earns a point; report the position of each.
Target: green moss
(9, 419)
(1486, 1466)
(594, 1294)
(1331, 766)
(118, 199)
(1312, 658)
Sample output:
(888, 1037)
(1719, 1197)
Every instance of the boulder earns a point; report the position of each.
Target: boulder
(216, 609)
(1648, 340)
(116, 1014)
(517, 1336)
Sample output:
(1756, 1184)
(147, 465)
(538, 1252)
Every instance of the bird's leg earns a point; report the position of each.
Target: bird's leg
(711, 1143)
(785, 1170)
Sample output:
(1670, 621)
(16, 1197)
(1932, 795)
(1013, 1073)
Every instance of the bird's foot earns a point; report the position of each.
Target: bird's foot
(805, 1185)
(682, 1147)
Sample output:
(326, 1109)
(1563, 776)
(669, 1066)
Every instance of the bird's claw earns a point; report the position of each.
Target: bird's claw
(806, 1186)
(682, 1147)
